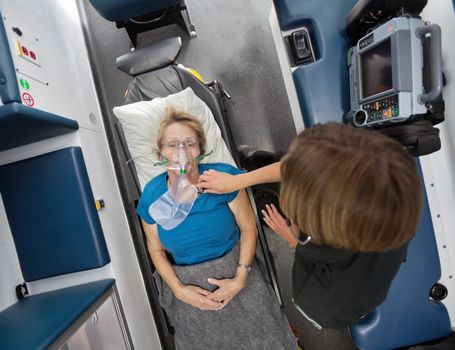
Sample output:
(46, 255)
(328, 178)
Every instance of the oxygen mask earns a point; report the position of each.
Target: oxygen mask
(180, 160)
(174, 205)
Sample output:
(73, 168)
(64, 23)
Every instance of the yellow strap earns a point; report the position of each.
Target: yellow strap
(195, 73)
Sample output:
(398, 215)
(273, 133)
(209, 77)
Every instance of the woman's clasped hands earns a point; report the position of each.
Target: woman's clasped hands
(227, 288)
(216, 300)
(197, 297)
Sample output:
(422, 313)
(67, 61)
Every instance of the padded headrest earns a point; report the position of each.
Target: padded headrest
(368, 12)
(150, 58)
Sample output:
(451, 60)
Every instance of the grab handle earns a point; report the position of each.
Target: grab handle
(435, 62)
(9, 90)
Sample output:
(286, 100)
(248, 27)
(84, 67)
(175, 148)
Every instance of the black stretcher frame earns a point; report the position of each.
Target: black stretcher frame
(217, 106)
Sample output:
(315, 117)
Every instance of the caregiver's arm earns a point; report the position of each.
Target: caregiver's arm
(192, 295)
(218, 182)
(244, 217)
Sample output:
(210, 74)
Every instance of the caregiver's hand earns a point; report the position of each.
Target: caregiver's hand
(213, 181)
(279, 225)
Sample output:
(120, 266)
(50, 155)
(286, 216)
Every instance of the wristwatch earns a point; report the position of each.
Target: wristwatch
(244, 266)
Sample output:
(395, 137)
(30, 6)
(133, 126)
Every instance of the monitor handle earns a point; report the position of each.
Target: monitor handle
(435, 62)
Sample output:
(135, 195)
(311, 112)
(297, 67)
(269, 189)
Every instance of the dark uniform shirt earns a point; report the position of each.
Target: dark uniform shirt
(336, 287)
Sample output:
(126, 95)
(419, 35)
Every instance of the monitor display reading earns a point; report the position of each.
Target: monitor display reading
(376, 69)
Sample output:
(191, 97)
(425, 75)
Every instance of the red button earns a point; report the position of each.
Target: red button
(32, 55)
(24, 50)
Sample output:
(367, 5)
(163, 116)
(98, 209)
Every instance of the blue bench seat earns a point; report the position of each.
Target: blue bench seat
(120, 10)
(408, 316)
(37, 321)
(21, 125)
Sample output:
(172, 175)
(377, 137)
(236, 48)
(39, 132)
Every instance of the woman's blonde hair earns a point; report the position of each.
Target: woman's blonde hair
(351, 188)
(174, 116)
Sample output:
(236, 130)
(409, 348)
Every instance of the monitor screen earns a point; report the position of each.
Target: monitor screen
(376, 69)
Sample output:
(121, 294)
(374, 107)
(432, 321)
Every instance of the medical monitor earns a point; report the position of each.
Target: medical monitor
(376, 70)
(385, 72)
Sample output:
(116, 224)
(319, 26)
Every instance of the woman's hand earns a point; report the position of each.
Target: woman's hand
(197, 297)
(279, 225)
(227, 288)
(213, 181)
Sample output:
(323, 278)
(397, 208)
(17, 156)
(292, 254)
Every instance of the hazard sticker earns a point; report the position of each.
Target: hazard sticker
(28, 52)
(28, 99)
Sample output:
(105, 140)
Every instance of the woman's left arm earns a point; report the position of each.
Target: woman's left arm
(244, 217)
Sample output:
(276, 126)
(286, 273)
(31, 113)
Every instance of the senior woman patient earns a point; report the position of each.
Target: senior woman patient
(214, 293)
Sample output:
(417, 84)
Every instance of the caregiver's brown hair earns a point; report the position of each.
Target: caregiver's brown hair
(351, 188)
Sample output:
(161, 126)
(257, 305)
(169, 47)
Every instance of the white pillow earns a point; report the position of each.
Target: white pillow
(141, 121)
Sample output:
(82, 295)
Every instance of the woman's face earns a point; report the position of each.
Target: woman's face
(180, 139)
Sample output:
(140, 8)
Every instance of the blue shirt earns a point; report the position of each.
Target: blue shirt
(208, 232)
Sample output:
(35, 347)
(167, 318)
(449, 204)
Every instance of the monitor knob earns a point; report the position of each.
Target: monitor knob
(360, 117)
(438, 292)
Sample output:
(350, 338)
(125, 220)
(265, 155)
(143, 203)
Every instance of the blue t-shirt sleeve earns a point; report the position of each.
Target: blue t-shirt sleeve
(147, 198)
(227, 168)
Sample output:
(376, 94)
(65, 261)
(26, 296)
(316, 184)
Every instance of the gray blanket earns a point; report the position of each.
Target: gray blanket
(252, 320)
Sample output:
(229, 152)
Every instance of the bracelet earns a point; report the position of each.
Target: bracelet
(299, 241)
(244, 266)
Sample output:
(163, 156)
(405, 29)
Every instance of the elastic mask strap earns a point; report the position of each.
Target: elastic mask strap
(164, 162)
(202, 156)
(197, 159)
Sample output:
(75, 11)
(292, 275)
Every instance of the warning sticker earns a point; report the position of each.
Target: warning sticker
(28, 99)
(28, 52)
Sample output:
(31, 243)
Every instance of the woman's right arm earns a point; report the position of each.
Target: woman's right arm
(189, 294)
(218, 182)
